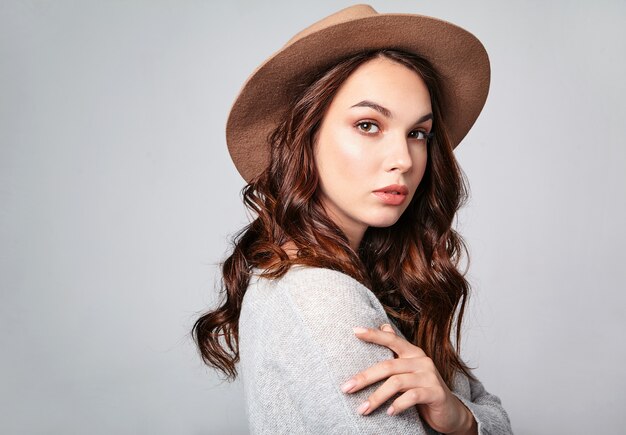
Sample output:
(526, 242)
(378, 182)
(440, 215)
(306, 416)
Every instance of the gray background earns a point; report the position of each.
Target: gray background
(118, 198)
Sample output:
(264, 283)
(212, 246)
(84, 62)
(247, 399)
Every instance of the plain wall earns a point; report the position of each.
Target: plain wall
(118, 200)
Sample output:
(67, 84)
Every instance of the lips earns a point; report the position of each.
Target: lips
(395, 189)
(394, 194)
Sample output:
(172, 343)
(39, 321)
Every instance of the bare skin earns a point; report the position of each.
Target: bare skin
(414, 375)
(373, 135)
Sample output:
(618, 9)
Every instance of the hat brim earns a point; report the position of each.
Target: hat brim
(456, 54)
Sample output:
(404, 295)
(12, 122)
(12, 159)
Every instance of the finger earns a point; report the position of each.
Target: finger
(389, 388)
(411, 397)
(394, 342)
(377, 372)
(387, 328)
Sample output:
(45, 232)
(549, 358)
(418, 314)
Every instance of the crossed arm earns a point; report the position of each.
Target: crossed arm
(322, 309)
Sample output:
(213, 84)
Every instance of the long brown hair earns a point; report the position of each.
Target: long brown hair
(411, 266)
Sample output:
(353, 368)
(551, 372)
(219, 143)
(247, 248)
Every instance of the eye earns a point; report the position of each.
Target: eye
(420, 135)
(367, 127)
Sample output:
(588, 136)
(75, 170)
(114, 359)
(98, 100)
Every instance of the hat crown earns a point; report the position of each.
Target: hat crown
(348, 14)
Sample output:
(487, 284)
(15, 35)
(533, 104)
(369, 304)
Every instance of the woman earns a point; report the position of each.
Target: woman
(354, 195)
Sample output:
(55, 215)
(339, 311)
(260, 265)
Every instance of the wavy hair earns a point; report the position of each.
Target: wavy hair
(412, 266)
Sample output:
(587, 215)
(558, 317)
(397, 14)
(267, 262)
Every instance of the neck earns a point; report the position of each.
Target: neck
(354, 237)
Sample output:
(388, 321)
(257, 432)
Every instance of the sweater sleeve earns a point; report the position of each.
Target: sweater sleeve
(321, 308)
(487, 409)
(297, 347)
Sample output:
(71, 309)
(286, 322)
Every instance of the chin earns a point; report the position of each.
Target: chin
(384, 221)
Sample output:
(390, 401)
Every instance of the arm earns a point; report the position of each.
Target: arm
(323, 352)
(487, 410)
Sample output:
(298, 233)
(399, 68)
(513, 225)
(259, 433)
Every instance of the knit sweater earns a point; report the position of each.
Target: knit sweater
(297, 347)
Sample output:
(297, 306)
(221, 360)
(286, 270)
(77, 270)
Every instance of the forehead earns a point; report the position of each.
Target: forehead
(386, 82)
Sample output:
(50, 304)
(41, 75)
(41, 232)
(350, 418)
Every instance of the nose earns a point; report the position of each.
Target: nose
(398, 157)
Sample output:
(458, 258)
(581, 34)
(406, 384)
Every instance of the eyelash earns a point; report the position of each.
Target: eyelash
(358, 125)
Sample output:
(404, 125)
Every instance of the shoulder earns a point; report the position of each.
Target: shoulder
(320, 304)
(324, 303)
(317, 276)
(311, 293)
(313, 288)
(327, 302)
(303, 281)
(306, 277)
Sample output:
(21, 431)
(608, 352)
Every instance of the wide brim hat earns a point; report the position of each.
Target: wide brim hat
(457, 55)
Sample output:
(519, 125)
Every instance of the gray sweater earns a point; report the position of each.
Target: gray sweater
(297, 347)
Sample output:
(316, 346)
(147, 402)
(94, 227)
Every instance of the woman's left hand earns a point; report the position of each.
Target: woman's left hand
(414, 374)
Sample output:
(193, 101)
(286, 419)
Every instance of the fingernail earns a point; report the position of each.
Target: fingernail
(359, 330)
(390, 410)
(363, 407)
(348, 385)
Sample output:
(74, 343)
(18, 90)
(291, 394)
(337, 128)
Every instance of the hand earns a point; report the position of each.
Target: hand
(414, 374)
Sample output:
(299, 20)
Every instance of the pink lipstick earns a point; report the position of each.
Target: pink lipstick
(394, 194)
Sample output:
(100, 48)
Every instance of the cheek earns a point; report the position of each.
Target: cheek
(420, 160)
(343, 155)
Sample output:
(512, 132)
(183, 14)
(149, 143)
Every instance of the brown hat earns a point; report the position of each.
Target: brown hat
(457, 55)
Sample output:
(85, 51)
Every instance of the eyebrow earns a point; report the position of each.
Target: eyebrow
(386, 112)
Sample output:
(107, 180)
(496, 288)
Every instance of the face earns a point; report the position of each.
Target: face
(371, 149)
